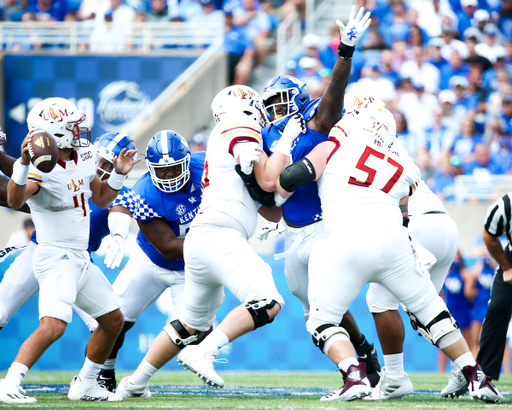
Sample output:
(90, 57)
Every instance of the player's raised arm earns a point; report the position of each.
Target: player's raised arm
(20, 188)
(331, 106)
(105, 192)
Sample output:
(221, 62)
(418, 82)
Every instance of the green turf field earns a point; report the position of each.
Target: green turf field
(252, 390)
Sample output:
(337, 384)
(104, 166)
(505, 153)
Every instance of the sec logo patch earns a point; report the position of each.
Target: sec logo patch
(180, 209)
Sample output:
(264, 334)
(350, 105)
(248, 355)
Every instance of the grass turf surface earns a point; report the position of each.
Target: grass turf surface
(251, 390)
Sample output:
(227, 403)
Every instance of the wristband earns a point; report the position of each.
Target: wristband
(345, 51)
(116, 181)
(405, 221)
(20, 173)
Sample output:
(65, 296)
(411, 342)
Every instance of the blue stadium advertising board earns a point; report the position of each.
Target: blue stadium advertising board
(111, 91)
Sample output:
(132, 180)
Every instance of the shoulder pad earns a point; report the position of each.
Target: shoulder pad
(311, 108)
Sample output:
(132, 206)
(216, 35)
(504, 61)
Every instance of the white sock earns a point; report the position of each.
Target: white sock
(143, 373)
(394, 364)
(16, 373)
(90, 371)
(110, 364)
(346, 363)
(464, 360)
(215, 340)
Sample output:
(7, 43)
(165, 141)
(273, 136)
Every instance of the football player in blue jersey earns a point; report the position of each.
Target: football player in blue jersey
(285, 97)
(19, 284)
(169, 197)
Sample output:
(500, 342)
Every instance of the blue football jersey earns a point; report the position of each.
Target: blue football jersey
(99, 222)
(303, 207)
(178, 209)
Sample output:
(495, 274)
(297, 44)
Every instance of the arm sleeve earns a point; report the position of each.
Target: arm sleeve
(127, 199)
(144, 211)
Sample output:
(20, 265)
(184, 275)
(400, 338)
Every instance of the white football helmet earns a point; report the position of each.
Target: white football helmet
(353, 102)
(238, 100)
(381, 124)
(61, 118)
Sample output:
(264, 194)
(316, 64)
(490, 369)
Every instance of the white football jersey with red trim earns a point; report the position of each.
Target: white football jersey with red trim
(223, 189)
(362, 177)
(60, 209)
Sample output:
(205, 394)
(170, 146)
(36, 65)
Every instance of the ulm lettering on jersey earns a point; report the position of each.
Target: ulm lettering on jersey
(186, 218)
(86, 155)
(75, 186)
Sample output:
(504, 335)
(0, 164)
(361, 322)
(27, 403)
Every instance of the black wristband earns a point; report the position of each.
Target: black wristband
(345, 51)
(405, 221)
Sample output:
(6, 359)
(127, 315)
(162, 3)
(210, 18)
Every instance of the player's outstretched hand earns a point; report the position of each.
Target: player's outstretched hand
(247, 157)
(124, 162)
(278, 228)
(115, 252)
(355, 27)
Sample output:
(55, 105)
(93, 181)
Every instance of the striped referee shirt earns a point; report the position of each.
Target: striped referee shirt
(499, 219)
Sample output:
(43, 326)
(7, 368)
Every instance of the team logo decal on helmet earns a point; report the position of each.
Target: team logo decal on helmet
(168, 149)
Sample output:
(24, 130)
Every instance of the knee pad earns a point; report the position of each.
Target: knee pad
(181, 337)
(323, 333)
(438, 327)
(258, 310)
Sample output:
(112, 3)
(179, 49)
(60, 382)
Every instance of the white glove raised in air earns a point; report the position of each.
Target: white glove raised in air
(296, 125)
(115, 252)
(247, 157)
(278, 228)
(355, 27)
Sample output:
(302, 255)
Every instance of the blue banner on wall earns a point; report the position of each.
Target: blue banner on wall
(283, 345)
(111, 91)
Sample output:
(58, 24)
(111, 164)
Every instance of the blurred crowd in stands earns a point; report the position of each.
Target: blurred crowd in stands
(443, 67)
(467, 291)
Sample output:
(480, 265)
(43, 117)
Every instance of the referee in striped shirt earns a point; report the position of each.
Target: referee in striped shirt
(494, 329)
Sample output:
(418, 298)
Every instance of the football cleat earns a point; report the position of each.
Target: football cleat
(14, 394)
(200, 362)
(127, 389)
(356, 386)
(371, 359)
(107, 378)
(392, 387)
(90, 391)
(480, 386)
(457, 386)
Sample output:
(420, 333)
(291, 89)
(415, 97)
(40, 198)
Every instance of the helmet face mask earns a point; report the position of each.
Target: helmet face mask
(239, 99)
(168, 153)
(108, 146)
(284, 96)
(62, 119)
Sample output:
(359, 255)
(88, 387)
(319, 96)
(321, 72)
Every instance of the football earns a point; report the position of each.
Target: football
(43, 150)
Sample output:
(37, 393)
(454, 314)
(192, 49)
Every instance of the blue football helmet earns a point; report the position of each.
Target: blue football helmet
(108, 146)
(294, 96)
(168, 149)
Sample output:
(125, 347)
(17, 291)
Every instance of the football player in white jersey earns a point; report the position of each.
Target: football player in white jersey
(361, 182)
(436, 231)
(59, 204)
(216, 250)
